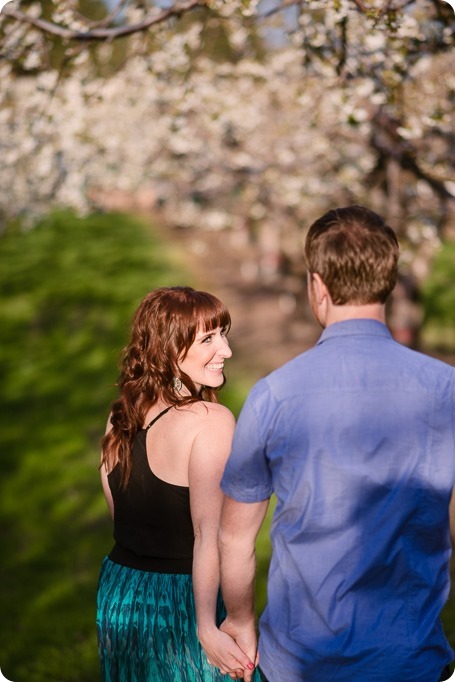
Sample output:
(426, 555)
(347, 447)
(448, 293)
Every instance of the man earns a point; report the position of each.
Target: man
(356, 438)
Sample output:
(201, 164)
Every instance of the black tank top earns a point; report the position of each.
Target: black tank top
(153, 530)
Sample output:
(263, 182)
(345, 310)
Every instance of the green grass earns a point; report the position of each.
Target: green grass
(438, 298)
(68, 290)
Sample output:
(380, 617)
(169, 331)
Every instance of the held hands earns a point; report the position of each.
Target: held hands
(244, 635)
(223, 652)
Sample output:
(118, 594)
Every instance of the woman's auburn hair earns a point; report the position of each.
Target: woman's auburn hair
(163, 328)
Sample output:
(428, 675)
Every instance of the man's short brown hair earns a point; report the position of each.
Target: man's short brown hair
(355, 253)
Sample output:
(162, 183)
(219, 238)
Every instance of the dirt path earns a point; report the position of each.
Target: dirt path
(271, 321)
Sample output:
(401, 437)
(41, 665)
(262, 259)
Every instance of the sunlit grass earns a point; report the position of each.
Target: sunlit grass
(68, 290)
(438, 298)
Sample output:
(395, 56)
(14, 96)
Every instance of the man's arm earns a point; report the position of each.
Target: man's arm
(239, 526)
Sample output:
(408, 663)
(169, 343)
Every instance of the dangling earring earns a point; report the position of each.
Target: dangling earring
(177, 384)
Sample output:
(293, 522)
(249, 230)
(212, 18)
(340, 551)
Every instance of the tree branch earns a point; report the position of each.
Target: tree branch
(108, 19)
(103, 33)
(388, 144)
(279, 8)
(360, 6)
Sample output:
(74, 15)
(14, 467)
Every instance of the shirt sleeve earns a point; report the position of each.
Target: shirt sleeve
(247, 476)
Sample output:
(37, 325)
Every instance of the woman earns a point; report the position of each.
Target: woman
(163, 455)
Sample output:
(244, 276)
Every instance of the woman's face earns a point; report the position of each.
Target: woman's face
(204, 361)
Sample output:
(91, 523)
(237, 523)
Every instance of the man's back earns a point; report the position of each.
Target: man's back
(357, 435)
(356, 438)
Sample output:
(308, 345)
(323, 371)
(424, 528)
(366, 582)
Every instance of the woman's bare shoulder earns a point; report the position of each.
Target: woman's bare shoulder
(209, 412)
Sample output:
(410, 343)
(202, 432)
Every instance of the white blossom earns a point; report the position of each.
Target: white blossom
(228, 143)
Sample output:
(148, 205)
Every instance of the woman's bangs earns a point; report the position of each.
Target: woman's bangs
(213, 314)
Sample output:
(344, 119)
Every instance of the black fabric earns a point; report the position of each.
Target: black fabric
(152, 520)
(446, 673)
(158, 416)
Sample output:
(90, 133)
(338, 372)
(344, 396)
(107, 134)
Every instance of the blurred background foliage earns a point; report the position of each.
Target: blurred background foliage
(68, 289)
(438, 293)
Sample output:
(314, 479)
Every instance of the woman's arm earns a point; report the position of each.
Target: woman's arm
(239, 526)
(104, 481)
(209, 453)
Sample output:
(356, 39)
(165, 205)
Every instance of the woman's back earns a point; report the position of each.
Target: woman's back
(153, 529)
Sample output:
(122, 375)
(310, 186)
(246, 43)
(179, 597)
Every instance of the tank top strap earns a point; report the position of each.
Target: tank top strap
(158, 416)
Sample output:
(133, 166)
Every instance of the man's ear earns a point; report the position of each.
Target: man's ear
(320, 290)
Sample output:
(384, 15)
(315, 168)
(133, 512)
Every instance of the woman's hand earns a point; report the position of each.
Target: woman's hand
(244, 635)
(225, 654)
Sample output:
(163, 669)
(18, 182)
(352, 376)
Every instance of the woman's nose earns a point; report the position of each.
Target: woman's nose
(225, 349)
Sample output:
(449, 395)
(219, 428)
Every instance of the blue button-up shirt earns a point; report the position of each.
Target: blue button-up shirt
(355, 437)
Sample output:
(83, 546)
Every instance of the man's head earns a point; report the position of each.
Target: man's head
(355, 253)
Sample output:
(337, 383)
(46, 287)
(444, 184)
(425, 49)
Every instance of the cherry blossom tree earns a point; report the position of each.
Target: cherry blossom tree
(234, 115)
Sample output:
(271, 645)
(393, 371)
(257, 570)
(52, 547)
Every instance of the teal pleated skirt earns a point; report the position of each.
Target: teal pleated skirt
(146, 627)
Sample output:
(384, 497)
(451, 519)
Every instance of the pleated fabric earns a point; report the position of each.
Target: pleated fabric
(146, 627)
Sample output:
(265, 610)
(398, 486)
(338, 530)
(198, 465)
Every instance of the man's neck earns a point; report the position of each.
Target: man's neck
(342, 313)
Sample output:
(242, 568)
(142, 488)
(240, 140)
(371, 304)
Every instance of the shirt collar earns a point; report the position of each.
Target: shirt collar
(355, 327)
